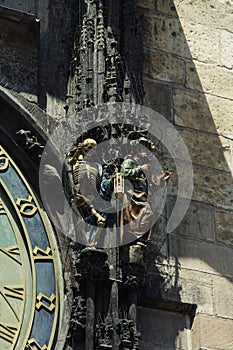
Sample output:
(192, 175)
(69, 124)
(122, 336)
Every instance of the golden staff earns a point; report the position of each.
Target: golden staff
(119, 192)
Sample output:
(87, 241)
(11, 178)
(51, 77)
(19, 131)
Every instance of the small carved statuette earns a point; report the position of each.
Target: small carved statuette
(128, 335)
(31, 142)
(78, 318)
(104, 336)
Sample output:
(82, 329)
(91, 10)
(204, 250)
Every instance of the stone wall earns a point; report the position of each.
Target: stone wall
(19, 52)
(38, 66)
(188, 76)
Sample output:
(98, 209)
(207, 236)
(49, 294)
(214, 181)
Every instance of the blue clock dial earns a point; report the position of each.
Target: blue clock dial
(29, 283)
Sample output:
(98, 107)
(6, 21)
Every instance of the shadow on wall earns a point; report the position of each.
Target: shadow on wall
(56, 51)
(36, 54)
(188, 80)
(19, 52)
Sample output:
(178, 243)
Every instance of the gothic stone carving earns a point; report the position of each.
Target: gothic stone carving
(106, 65)
(30, 143)
(92, 264)
(128, 335)
(104, 336)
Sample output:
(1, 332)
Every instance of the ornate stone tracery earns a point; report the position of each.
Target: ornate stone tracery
(106, 67)
(107, 55)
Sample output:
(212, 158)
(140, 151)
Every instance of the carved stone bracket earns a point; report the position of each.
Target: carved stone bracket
(92, 264)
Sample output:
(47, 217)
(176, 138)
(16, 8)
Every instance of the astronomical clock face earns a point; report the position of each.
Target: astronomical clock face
(29, 298)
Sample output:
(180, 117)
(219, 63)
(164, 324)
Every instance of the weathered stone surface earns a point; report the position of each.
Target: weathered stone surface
(202, 256)
(203, 43)
(223, 224)
(55, 108)
(35, 113)
(25, 5)
(218, 14)
(158, 97)
(192, 111)
(167, 7)
(203, 112)
(209, 78)
(161, 330)
(194, 41)
(147, 4)
(20, 78)
(197, 223)
(213, 187)
(226, 145)
(226, 48)
(181, 285)
(19, 52)
(13, 55)
(217, 154)
(197, 288)
(163, 67)
(19, 31)
(210, 186)
(212, 333)
(223, 301)
(158, 243)
(165, 34)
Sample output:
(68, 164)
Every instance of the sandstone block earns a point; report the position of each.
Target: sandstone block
(217, 14)
(191, 110)
(158, 244)
(19, 35)
(213, 187)
(210, 79)
(223, 119)
(18, 30)
(203, 112)
(197, 288)
(165, 34)
(163, 67)
(203, 43)
(202, 256)
(183, 38)
(223, 224)
(197, 223)
(186, 286)
(158, 97)
(223, 297)
(12, 55)
(210, 186)
(20, 78)
(26, 5)
(209, 332)
(226, 48)
(146, 4)
(217, 154)
(167, 7)
(161, 329)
